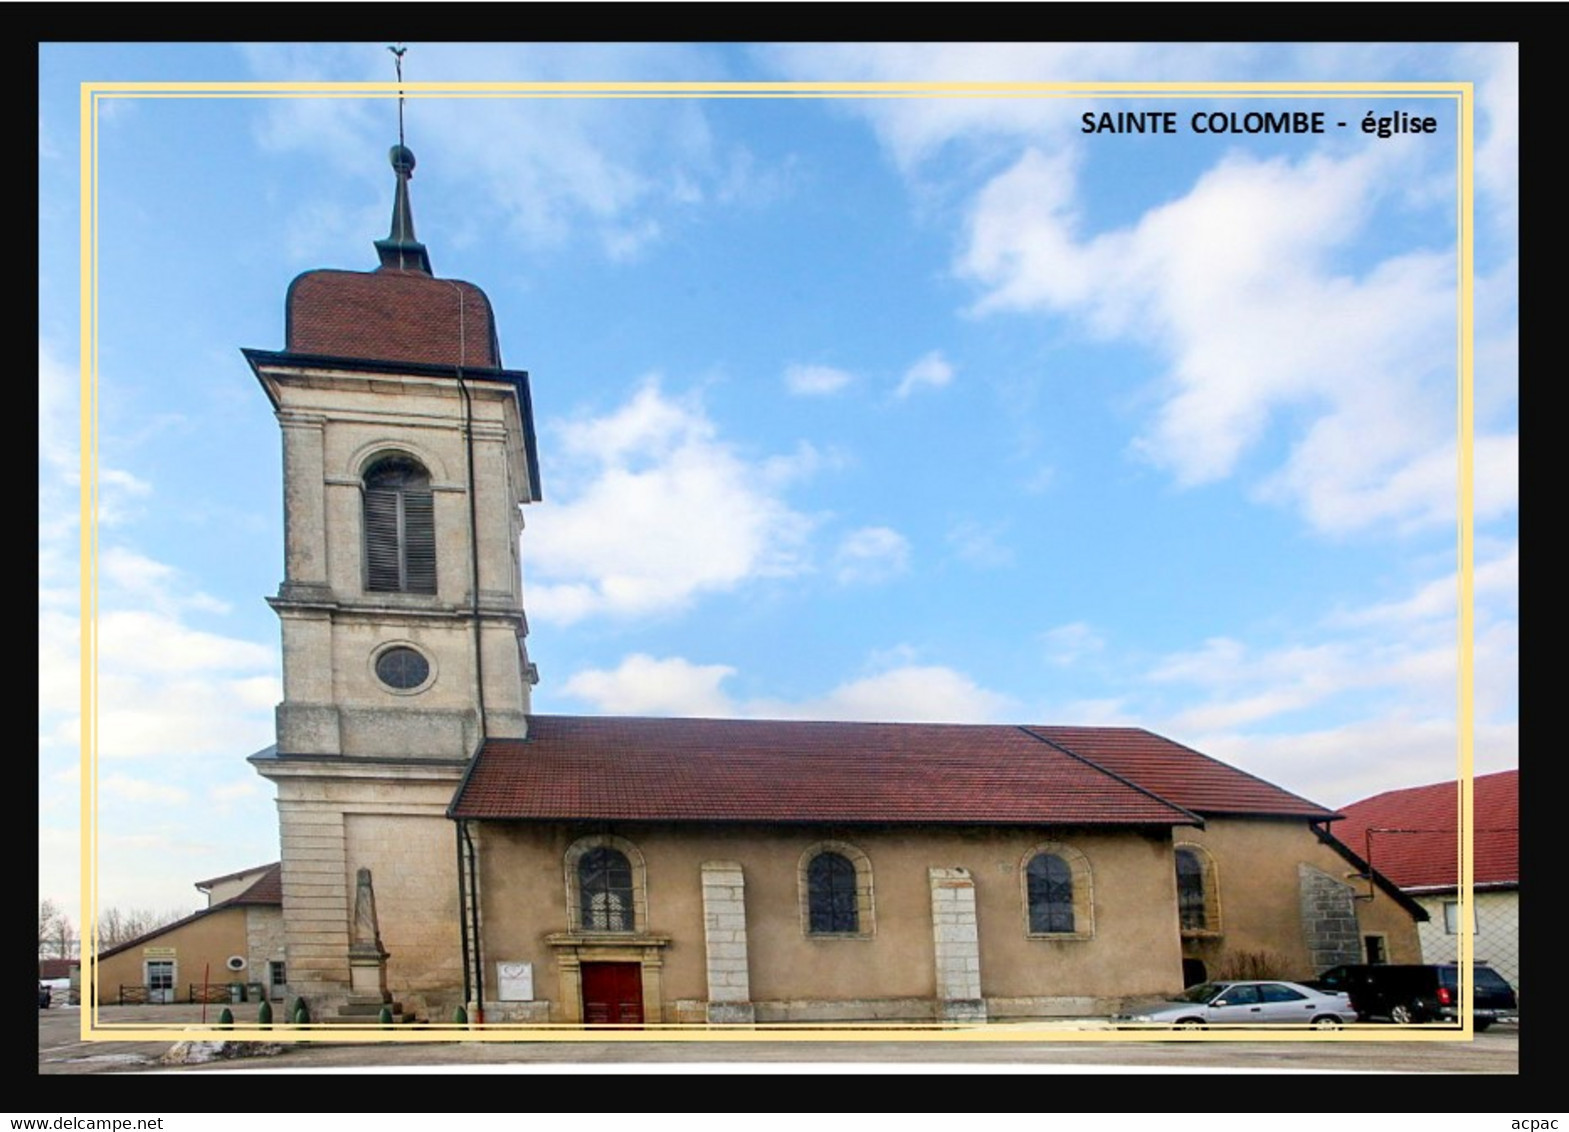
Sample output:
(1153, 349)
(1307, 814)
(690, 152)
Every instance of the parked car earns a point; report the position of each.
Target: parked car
(1414, 992)
(1249, 1000)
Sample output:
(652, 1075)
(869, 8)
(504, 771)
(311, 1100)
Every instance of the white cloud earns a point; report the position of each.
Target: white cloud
(673, 686)
(1068, 644)
(141, 790)
(1493, 578)
(163, 688)
(1235, 284)
(138, 578)
(59, 418)
(1336, 766)
(1107, 712)
(815, 381)
(981, 544)
(147, 642)
(1386, 672)
(644, 685)
(571, 172)
(871, 554)
(239, 790)
(1496, 160)
(917, 129)
(657, 510)
(930, 371)
(914, 694)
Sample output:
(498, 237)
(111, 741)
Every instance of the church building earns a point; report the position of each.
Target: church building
(559, 869)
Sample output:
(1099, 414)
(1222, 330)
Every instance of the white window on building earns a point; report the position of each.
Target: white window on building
(1452, 917)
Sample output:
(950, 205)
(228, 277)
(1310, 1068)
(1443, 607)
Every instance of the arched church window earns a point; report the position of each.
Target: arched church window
(400, 527)
(1198, 906)
(832, 901)
(1058, 891)
(1050, 882)
(605, 891)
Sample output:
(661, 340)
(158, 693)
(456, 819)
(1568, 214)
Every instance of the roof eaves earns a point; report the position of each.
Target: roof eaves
(1393, 891)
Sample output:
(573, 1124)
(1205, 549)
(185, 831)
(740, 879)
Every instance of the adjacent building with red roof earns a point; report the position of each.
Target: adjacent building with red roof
(1412, 836)
(231, 950)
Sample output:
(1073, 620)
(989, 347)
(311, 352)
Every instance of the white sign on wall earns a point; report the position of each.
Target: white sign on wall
(515, 982)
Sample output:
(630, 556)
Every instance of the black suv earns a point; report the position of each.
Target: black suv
(1420, 993)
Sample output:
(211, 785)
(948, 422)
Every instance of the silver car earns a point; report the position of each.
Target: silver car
(1248, 1001)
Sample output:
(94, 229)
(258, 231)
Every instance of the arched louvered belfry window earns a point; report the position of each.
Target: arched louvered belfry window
(604, 878)
(1050, 884)
(832, 901)
(400, 527)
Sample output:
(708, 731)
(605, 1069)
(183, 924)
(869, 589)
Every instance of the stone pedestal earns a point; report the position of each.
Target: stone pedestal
(368, 993)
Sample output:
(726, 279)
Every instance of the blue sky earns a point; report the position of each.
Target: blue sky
(922, 408)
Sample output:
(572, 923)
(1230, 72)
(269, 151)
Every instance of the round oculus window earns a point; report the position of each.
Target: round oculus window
(402, 668)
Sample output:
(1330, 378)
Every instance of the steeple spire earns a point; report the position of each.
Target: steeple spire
(400, 251)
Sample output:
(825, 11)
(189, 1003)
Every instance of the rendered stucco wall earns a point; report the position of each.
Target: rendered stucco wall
(200, 950)
(890, 972)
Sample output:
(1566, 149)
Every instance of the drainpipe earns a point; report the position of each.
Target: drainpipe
(468, 878)
(468, 445)
(473, 910)
(463, 923)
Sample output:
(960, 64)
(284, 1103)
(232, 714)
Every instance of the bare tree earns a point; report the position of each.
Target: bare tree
(121, 925)
(56, 935)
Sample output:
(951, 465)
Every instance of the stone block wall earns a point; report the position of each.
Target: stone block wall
(1329, 918)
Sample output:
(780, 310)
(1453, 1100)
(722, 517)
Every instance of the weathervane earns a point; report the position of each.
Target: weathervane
(401, 251)
(397, 61)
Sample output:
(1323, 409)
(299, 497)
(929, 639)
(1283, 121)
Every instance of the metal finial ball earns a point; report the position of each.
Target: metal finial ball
(402, 158)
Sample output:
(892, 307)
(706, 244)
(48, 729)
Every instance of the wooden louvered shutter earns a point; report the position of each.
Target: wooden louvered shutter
(400, 528)
(419, 542)
(383, 560)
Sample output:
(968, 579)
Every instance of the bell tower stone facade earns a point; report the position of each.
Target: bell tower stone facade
(408, 452)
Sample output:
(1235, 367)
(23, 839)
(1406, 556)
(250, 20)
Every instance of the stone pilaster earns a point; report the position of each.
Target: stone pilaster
(956, 937)
(724, 941)
(315, 899)
(304, 507)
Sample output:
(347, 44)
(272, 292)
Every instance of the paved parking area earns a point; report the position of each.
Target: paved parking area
(61, 1051)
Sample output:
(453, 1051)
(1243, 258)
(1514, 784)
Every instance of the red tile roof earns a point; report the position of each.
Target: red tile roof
(718, 770)
(1180, 774)
(394, 316)
(268, 889)
(1416, 832)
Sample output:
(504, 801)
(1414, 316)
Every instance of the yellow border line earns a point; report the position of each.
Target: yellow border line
(1461, 92)
(672, 89)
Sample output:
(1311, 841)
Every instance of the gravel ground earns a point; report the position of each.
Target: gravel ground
(62, 1051)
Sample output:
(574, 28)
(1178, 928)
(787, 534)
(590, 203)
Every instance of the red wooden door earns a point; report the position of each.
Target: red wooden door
(613, 992)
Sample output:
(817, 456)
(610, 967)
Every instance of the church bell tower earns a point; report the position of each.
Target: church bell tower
(408, 452)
